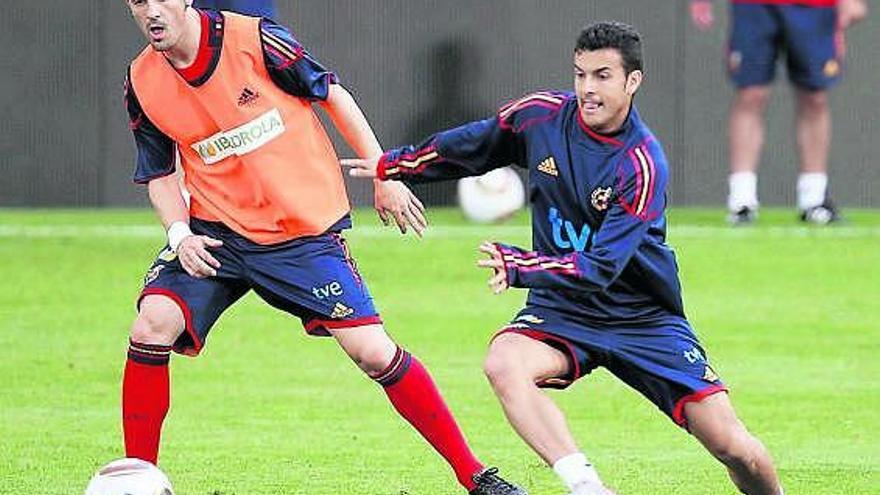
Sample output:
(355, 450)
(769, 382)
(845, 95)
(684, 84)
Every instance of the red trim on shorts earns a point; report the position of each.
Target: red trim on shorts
(698, 396)
(318, 327)
(349, 259)
(187, 317)
(543, 337)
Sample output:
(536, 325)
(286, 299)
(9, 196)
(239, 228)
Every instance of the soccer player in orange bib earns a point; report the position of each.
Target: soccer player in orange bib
(232, 97)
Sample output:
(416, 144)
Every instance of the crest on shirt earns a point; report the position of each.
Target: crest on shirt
(601, 198)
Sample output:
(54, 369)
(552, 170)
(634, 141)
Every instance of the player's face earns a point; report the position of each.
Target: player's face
(163, 22)
(604, 89)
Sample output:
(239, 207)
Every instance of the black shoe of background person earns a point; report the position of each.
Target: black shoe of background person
(489, 483)
(742, 217)
(823, 214)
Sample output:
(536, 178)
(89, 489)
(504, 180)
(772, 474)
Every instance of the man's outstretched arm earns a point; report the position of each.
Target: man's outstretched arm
(472, 149)
(390, 199)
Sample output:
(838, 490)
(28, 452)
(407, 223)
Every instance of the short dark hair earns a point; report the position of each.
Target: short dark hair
(617, 35)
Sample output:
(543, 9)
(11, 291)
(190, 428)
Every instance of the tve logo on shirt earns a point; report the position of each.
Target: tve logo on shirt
(241, 140)
(565, 235)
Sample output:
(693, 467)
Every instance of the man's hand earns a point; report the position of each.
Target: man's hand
(395, 200)
(361, 167)
(195, 258)
(498, 282)
(702, 15)
(850, 12)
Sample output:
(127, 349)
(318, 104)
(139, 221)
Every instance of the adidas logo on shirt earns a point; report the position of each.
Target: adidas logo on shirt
(247, 97)
(548, 166)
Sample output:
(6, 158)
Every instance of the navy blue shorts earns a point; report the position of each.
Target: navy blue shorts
(312, 278)
(663, 360)
(808, 37)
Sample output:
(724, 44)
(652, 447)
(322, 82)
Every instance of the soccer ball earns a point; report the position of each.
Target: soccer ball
(129, 477)
(492, 197)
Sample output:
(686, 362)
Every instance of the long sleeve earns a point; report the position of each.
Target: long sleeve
(472, 149)
(639, 201)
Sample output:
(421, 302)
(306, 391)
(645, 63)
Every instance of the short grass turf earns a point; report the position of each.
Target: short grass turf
(789, 315)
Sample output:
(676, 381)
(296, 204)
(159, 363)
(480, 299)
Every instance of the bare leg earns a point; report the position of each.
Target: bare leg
(368, 346)
(746, 139)
(813, 130)
(746, 128)
(814, 140)
(714, 423)
(514, 364)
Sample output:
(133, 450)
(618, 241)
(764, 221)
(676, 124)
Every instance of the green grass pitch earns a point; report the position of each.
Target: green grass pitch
(788, 314)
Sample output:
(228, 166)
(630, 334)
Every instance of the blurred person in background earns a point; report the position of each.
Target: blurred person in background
(810, 34)
(256, 8)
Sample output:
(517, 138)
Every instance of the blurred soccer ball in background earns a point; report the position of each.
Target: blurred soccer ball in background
(492, 197)
(129, 477)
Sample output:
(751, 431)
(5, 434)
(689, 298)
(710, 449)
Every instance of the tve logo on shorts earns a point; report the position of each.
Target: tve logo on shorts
(241, 140)
(565, 235)
(331, 289)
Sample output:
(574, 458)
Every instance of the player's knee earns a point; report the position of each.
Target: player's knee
(370, 347)
(500, 364)
(753, 98)
(373, 359)
(813, 101)
(735, 448)
(156, 326)
(724, 451)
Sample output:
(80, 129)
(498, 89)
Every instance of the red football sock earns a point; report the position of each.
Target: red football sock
(412, 392)
(145, 399)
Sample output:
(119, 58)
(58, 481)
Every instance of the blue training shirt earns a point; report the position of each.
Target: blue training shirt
(597, 203)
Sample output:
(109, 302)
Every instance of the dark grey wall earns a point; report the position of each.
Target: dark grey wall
(51, 104)
(415, 66)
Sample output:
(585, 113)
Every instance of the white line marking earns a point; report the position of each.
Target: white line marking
(452, 231)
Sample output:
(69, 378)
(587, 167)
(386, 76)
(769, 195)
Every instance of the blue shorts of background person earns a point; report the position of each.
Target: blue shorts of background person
(807, 36)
